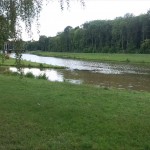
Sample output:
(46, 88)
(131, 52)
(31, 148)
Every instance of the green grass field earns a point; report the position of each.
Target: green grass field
(127, 58)
(41, 115)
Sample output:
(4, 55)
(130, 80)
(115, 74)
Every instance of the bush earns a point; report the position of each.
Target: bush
(41, 66)
(29, 66)
(29, 75)
(42, 76)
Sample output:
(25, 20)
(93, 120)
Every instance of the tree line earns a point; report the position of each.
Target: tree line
(128, 34)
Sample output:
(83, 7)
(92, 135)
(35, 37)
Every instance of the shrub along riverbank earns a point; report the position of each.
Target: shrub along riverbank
(36, 114)
(143, 59)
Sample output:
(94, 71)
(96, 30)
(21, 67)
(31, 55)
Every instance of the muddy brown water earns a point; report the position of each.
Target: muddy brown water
(121, 76)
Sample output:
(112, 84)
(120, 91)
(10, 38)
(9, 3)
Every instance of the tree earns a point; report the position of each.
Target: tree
(78, 39)
(145, 46)
(4, 34)
(26, 11)
(43, 43)
(67, 31)
(128, 34)
(23, 10)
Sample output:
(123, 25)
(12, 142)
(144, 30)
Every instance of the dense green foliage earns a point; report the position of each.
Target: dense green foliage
(128, 34)
(17, 11)
(12, 13)
(36, 114)
(4, 33)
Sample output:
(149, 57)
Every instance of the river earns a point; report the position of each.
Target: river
(121, 76)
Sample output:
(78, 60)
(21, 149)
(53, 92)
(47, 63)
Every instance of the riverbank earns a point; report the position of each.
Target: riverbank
(28, 64)
(143, 59)
(36, 114)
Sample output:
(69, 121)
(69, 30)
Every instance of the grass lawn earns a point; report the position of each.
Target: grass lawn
(41, 115)
(127, 58)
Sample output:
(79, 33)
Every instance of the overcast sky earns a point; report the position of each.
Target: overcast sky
(54, 20)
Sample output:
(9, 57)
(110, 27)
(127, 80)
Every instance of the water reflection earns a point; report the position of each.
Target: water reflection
(121, 81)
(98, 67)
(139, 82)
(122, 76)
(52, 75)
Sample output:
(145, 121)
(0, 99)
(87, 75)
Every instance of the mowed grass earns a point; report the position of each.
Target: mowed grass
(41, 115)
(127, 58)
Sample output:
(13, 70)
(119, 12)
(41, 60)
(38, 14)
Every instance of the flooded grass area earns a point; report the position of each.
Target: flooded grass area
(109, 75)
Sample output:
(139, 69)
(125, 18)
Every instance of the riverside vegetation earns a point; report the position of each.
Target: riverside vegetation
(12, 62)
(143, 59)
(128, 34)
